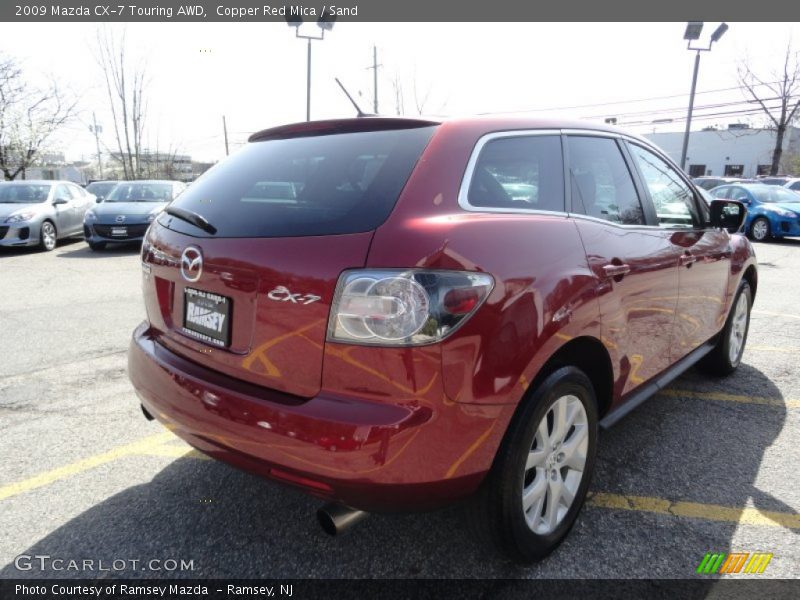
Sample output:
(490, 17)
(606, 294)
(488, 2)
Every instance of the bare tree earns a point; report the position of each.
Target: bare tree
(777, 96)
(420, 98)
(29, 116)
(399, 103)
(125, 83)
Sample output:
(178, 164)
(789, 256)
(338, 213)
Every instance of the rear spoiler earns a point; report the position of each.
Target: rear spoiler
(332, 126)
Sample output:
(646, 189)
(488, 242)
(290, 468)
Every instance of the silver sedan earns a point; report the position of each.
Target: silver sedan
(38, 213)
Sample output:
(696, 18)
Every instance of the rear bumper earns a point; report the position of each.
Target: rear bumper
(377, 456)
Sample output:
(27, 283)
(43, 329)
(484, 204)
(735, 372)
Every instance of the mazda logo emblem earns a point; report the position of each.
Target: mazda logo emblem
(120, 219)
(191, 263)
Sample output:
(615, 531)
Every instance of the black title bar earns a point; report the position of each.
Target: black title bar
(389, 589)
(395, 10)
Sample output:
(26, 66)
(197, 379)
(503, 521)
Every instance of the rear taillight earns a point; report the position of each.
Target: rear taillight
(389, 307)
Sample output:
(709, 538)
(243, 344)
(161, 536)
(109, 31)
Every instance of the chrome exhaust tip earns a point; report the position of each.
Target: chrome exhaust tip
(335, 519)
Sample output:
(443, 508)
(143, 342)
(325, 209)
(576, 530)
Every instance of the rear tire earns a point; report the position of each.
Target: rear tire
(727, 354)
(538, 483)
(97, 245)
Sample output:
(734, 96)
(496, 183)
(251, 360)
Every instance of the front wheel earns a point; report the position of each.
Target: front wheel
(759, 229)
(727, 354)
(541, 474)
(47, 236)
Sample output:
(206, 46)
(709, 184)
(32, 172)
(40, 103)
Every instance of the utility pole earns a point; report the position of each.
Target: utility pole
(97, 131)
(308, 82)
(374, 68)
(693, 29)
(685, 147)
(225, 131)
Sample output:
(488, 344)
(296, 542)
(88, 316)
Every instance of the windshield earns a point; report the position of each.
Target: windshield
(316, 185)
(141, 192)
(772, 195)
(14, 193)
(100, 189)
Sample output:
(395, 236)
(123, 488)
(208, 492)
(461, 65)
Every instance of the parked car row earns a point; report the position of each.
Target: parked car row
(41, 212)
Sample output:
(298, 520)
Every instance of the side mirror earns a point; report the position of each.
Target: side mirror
(59, 201)
(728, 214)
(98, 200)
(744, 200)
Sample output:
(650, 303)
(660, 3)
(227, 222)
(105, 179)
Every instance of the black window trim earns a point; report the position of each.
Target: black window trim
(466, 180)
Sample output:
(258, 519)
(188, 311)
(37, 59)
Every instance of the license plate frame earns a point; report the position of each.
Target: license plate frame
(119, 231)
(207, 317)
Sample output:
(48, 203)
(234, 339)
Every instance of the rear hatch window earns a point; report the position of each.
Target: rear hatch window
(328, 184)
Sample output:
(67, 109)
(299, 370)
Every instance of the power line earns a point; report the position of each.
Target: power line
(617, 102)
(718, 115)
(683, 108)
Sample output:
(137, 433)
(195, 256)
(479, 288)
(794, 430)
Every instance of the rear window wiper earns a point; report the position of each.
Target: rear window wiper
(191, 217)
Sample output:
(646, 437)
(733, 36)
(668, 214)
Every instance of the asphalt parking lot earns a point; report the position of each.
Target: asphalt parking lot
(709, 466)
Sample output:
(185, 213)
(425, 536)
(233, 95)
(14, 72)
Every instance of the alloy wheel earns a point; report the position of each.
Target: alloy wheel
(48, 235)
(760, 229)
(738, 329)
(555, 465)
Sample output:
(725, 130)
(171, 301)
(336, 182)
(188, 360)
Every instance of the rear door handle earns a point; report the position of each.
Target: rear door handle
(687, 260)
(616, 270)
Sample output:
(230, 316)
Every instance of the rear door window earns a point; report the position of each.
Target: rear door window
(519, 173)
(602, 186)
(315, 185)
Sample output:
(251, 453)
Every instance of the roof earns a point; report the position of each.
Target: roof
(146, 181)
(377, 123)
(37, 181)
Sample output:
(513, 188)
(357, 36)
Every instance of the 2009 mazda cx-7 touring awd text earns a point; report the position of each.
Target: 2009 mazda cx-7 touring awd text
(396, 314)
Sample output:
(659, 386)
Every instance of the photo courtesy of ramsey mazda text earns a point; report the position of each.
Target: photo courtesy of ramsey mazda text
(396, 314)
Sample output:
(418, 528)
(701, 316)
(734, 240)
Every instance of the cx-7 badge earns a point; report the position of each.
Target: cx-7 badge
(282, 294)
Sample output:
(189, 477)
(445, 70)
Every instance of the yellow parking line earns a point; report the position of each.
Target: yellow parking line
(695, 510)
(48, 477)
(171, 451)
(155, 446)
(776, 314)
(777, 402)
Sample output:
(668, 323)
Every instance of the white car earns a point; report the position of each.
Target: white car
(40, 212)
(793, 184)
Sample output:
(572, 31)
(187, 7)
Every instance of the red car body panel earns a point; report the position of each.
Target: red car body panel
(416, 427)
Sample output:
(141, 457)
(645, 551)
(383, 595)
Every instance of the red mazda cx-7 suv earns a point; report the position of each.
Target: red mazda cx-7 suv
(395, 314)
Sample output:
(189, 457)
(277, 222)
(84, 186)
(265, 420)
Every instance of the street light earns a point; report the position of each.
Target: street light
(325, 23)
(692, 34)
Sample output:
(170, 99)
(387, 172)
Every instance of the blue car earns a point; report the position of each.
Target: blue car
(772, 211)
(127, 212)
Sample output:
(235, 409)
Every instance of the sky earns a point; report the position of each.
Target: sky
(255, 73)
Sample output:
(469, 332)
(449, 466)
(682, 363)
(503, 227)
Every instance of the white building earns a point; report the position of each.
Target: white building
(57, 172)
(734, 152)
